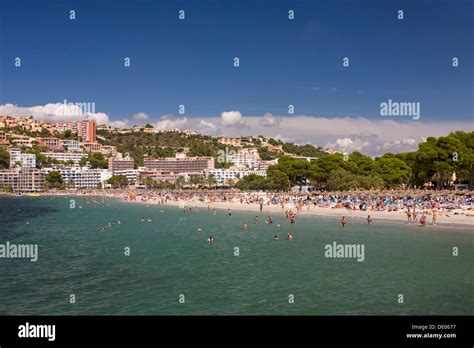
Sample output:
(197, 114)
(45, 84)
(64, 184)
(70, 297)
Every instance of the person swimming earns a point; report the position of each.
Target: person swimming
(369, 219)
(229, 212)
(245, 227)
(270, 221)
(290, 236)
(199, 229)
(210, 239)
(256, 219)
(275, 237)
(343, 221)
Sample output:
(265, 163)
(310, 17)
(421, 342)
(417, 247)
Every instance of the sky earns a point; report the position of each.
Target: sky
(283, 62)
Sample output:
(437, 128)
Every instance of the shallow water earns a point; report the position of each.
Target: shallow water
(169, 258)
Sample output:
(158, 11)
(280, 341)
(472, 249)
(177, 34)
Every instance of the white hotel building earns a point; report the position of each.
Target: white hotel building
(65, 156)
(223, 175)
(246, 157)
(82, 177)
(23, 160)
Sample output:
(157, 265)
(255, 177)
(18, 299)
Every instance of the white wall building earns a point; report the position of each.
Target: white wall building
(222, 175)
(82, 177)
(23, 160)
(72, 145)
(65, 156)
(246, 157)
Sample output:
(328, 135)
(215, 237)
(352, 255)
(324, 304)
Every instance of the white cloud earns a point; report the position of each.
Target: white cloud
(231, 118)
(168, 122)
(141, 116)
(269, 120)
(207, 127)
(56, 112)
(369, 136)
(120, 124)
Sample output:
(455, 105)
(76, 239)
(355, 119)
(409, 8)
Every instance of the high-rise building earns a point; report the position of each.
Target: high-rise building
(85, 129)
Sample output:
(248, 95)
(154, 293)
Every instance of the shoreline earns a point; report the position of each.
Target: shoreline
(461, 221)
(449, 220)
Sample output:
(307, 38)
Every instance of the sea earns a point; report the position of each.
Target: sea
(156, 261)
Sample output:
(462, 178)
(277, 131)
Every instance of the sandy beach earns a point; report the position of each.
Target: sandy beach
(397, 216)
(461, 217)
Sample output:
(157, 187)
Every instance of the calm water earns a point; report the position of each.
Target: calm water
(170, 257)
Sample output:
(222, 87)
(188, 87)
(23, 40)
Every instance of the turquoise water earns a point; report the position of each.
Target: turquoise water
(170, 257)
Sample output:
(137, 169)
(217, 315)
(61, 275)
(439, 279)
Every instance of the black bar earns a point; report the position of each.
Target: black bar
(288, 330)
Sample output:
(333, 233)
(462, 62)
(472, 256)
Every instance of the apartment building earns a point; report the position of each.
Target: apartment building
(22, 160)
(23, 180)
(180, 164)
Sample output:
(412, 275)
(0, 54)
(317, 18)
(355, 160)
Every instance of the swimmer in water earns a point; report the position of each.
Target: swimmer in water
(230, 212)
(290, 236)
(142, 219)
(210, 239)
(256, 219)
(245, 227)
(369, 219)
(199, 229)
(276, 237)
(343, 221)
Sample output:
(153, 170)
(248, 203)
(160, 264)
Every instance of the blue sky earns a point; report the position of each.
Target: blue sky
(283, 62)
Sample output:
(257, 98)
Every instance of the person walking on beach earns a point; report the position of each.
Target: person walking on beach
(434, 216)
(261, 206)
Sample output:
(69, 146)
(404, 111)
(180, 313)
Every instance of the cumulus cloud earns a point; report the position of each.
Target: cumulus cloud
(57, 112)
(269, 120)
(231, 118)
(120, 123)
(371, 136)
(207, 127)
(168, 122)
(141, 116)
